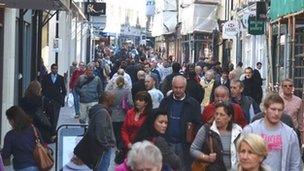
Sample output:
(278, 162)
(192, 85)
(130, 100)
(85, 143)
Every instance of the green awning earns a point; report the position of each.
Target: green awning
(279, 8)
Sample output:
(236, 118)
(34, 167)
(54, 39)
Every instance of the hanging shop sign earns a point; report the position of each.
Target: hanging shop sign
(230, 29)
(255, 27)
(96, 8)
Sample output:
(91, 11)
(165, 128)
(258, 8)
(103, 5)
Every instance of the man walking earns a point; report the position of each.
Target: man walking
(54, 91)
(89, 88)
(182, 110)
(155, 94)
(282, 142)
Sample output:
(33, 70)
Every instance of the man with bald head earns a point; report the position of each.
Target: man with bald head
(221, 94)
(181, 109)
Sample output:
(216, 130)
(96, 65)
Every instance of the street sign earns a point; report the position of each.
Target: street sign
(230, 29)
(255, 27)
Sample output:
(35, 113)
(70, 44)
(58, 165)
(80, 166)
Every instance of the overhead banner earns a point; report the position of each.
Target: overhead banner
(230, 29)
(150, 7)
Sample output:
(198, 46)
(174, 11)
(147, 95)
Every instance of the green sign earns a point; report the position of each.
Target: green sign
(279, 8)
(255, 27)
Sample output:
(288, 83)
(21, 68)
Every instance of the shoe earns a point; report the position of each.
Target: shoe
(76, 116)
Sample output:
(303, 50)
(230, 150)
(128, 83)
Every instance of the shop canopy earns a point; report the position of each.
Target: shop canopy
(199, 18)
(279, 8)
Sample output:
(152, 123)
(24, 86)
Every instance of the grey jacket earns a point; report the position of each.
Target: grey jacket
(291, 157)
(118, 114)
(88, 91)
(100, 124)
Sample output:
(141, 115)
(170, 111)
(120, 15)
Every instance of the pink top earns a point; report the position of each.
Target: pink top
(122, 167)
(294, 108)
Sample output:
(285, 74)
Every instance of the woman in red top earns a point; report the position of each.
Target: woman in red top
(135, 118)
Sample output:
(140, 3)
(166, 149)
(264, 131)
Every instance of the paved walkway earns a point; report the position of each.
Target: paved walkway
(67, 117)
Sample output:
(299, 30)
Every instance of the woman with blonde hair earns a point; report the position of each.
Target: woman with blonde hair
(252, 151)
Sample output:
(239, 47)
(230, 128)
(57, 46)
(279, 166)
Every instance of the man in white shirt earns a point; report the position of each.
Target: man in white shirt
(155, 94)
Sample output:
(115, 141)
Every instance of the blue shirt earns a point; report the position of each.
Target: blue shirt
(174, 128)
(21, 145)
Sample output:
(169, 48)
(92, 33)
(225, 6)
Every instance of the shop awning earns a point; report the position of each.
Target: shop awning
(38, 4)
(280, 8)
(199, 18)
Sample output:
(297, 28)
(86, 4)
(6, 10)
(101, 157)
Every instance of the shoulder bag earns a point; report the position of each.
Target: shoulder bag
(42, 156)
(199, 165)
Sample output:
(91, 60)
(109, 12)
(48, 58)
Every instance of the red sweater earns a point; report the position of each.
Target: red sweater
(239, 116)
(76, 74)
(130, 127)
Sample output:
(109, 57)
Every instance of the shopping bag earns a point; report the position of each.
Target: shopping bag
(70, 100)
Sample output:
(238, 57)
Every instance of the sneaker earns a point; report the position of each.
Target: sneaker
(76, 116)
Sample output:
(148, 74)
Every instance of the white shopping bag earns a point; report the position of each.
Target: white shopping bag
(70, 100)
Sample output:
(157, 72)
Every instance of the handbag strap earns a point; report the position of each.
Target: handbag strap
(210, 142)
(35, 133)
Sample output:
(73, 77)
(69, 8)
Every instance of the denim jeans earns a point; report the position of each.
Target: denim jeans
(76, 101)
(105, 160)
(31, 168)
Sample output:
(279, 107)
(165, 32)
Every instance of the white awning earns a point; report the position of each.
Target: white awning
(63, 5)
(199, 18)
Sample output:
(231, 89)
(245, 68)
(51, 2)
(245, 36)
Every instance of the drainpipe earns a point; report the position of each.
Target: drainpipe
(57, 36)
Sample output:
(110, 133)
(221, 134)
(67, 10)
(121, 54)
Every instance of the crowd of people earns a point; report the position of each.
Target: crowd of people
(160, 115)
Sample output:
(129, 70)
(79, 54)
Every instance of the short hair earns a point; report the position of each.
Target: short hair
(272, 98)
(228, 108)
(141, 75)
(256, 142)
(53, 65)
(179, 77)
(33, 90)
(222, 87)
(121, 71)
(286, 80)
(176, 67)
(144, 152)
(258, 63)
(104, 96)
(240, 64)
(249, 69)
(151, 76)
(239, 82)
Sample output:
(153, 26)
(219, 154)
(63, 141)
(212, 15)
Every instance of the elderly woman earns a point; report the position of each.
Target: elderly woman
(142, 156)
(251, 149)
(223, 134)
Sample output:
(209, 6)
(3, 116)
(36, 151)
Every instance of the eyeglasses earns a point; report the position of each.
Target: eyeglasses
(288, 85)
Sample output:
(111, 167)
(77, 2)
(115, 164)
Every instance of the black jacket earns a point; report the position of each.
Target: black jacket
(54, 91)
(195, 90)
(33, 107)
(191, 112)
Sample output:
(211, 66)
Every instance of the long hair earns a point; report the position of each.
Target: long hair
(33, 90)
(145, 96)
(148, 130)
(21, 121)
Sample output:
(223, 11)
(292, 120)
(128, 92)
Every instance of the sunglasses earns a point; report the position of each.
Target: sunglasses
(287, 85)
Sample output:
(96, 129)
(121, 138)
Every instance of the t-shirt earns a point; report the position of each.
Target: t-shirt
(226, 142)
(273, 139)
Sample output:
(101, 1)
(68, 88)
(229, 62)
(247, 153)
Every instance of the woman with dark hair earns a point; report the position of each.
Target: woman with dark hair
(133, 121)
(31, 103)
(223, 133)
(135, 118)
(20, 141)
(153, 130)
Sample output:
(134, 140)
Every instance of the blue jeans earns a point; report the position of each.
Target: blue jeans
(76, 101)
(31, 168)
(105, 160)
